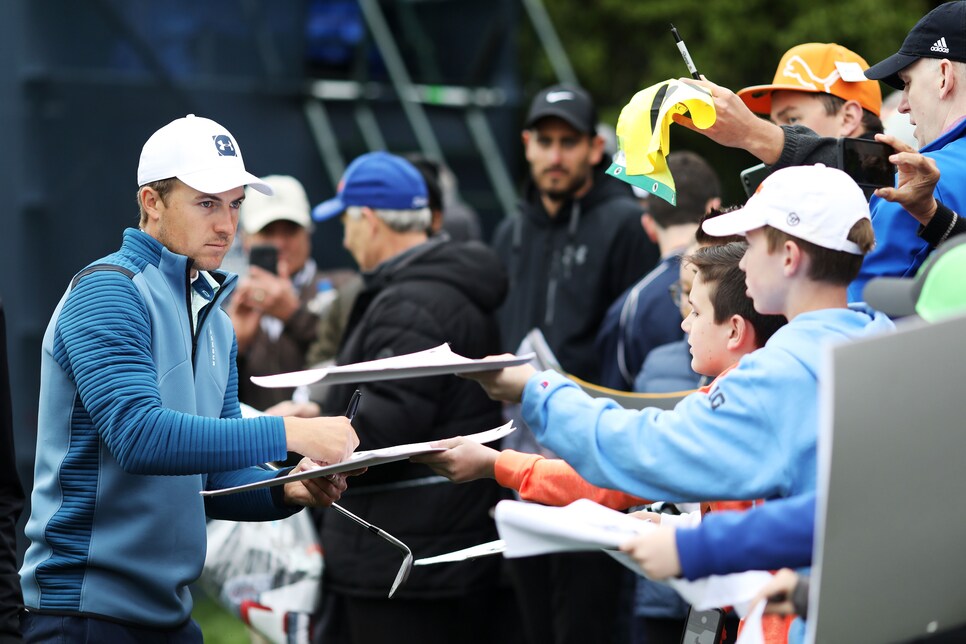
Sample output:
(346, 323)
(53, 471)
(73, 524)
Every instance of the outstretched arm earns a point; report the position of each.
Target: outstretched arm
(736, 126)
(542, 480)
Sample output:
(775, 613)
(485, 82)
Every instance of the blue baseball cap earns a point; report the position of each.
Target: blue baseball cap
(378, 180)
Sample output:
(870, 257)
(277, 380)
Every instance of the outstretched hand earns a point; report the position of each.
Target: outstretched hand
(778, 593)
(916, 180)
(504, 384)
(656, 552)
(464, 461)
(736, 126)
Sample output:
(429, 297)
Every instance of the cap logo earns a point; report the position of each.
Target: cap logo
(940, 46)
(224, 145)
(793, 219)
(797, 68)
(556, 97)
(420, 202)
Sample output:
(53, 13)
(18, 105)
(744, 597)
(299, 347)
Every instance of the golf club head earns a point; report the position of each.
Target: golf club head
(403, 574)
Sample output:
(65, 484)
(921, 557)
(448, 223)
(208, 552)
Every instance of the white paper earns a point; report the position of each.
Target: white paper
(752, 631)
(473, 552)
(737, 590)
(850, 71)
(365, 458)
(247, 411)
(531, 529)
(432, 362)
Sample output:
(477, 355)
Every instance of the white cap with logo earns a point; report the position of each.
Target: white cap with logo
(199, 152)
(811, 202)
(288, 202)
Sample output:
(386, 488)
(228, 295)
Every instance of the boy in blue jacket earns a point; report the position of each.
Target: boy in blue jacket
(753, 436)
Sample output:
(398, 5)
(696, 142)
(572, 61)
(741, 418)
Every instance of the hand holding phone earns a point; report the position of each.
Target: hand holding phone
(867, 162)
(264, 256)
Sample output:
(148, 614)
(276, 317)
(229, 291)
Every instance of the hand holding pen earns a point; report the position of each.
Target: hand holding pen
(685, 54)
(353, 407)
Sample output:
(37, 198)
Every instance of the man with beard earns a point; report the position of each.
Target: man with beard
(575, 246)
(577, 242)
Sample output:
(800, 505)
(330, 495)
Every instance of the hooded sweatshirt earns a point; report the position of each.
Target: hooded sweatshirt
(565, 271)
(752, 436)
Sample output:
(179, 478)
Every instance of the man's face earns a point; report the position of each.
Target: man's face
(920, 99)
(763, 274)
(199, 225)
(685, 280)
(561, 158)
(708, 339)
(356, 239)
(789, 107)
(294, 243)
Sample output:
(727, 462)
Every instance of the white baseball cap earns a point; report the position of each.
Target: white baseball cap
(199, 152)
(811, 202)
(288, 202)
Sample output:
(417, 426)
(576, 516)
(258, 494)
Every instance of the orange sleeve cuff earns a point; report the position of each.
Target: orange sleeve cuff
(511, 468)
(554, 482)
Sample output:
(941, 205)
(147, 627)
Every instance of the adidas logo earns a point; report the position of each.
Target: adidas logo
(940, 46)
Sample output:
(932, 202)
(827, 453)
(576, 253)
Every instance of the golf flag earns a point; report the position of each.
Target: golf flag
(644, 138)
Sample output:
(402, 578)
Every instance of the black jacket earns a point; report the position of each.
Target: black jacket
(440, 291)
(11, 503)
(567, 270)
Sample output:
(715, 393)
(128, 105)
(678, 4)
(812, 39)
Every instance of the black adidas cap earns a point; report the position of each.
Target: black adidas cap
(941, 33)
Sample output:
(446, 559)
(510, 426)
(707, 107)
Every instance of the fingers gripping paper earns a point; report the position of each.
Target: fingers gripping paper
(643, 133)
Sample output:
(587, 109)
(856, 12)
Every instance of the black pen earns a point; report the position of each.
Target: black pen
(684, 54)
(350, 411)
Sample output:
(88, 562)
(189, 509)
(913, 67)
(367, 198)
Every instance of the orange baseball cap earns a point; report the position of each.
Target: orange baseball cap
(818, 68)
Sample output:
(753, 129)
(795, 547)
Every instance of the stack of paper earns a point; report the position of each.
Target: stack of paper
(437, 361)
(365, 458)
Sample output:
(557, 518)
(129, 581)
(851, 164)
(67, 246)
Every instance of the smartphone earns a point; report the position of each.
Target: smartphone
(264, 256)
(753, 176)
(703, 627)
(867, 162)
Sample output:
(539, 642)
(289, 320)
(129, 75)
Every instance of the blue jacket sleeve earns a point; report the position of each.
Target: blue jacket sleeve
(265, 504)
(898, 252)
(778, 534)
(723, 445)
(105, 346)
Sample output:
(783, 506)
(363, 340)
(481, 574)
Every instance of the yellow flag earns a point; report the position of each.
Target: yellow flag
(644, 137)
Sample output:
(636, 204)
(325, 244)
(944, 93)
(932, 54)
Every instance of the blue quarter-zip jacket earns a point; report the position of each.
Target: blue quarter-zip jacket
(751, 437)
(899, 251)
(137, 415)
(777, 534)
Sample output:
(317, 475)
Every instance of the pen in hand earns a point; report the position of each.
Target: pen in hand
(350, 411)
(684, 54)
